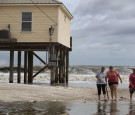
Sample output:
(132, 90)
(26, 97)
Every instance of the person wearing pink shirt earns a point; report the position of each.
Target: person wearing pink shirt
(113, 78)
(132, 84)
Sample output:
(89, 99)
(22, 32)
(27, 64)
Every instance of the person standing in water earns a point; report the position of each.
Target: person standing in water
(101, 83)
(132, 84)
(113, 78)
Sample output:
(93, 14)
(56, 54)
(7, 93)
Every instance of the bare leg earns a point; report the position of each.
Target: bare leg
(98, 97)
(115, 87)
(105, 97)
(104, 91)
(131, 96)
(111, 88)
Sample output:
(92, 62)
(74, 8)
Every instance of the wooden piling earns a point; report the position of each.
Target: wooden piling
(64, 66)
(56, 75)
(25, 67)
(60, 66)
(52, 75)
(19, 68)
(67, 65)
(30, 67)
(11, 65)
(56, 69)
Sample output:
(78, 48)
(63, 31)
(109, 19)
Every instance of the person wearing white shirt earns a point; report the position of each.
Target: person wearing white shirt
(101, 83)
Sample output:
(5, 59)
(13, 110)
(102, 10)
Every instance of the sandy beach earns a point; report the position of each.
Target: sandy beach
(59, 100)
(30, 93)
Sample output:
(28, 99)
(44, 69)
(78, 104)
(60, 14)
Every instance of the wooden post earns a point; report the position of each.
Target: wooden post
(64, 67)
(56, 75)
(67, 65)
(30, 67)
(57, 68)
(52, 75)
(60, 66)
(31, 70)
(25, 67)
(19, 67)
(11, 65)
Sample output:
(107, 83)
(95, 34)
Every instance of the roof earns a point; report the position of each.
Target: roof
(30, 2)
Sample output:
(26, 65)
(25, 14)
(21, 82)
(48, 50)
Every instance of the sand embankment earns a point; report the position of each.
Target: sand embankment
(21, 92)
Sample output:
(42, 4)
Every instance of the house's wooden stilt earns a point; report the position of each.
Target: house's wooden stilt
(60, 66)
(19, 68)
(52, 75)
(56, 67)
(67, 65)
(56, 75)
(30, 67)
(11, 65)
(64, 65)
(52, 51)
(25, 67)
(29, 59)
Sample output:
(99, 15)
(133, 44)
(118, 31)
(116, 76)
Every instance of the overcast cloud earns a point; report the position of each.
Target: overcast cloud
(103, 32)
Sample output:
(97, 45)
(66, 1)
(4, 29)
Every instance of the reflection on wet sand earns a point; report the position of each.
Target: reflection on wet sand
(101, 108)
(68, 108)
(131, 109)
(113, 108)
(105, 107)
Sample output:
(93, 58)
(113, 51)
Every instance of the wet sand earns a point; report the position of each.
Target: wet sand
(68, 108)
(19, 99)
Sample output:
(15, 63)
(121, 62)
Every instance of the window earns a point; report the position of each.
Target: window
(65, 18)
(26, 21)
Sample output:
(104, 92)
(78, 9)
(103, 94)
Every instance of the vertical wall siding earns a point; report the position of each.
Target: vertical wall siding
(40, 23)
(63, 28)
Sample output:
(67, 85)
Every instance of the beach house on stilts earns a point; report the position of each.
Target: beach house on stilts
(36, 25)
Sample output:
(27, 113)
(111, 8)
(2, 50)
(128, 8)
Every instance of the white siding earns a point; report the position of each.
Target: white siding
(64, 28)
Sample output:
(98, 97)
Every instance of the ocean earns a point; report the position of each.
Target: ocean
(79, 76)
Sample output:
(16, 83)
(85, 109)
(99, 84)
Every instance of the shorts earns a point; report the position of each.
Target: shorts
(112, 83)
(131, 90)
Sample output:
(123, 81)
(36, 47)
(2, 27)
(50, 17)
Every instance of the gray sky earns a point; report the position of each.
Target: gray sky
(103, 32)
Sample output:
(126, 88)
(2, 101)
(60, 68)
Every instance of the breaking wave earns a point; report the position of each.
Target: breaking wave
(76, 73)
